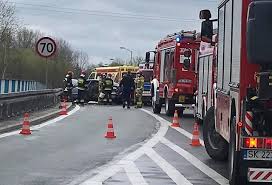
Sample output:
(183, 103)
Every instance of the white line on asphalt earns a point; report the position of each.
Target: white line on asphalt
(107, 171)
(43, 124)
(134, 174)
(196, 162)
(180, 130)
(172, 172)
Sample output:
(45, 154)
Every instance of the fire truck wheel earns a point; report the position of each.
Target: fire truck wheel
(236, 172)
(180, 112)
(215, 145)
(156, 107)
(169, 106)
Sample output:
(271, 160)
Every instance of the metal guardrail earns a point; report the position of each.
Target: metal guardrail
(15, 104)
(14, 86)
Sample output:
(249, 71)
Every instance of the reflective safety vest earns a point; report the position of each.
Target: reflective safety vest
(139, 81)
(81, 83)
(108, 84)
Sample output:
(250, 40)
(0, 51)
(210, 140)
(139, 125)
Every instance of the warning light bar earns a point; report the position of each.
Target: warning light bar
(257, 143)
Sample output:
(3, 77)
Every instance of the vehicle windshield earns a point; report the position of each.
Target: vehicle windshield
(148, 75)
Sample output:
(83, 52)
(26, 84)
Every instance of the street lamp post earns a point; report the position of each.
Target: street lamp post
(128, 51)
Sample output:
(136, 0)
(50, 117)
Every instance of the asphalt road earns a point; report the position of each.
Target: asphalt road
(61, 151)
(72, 150)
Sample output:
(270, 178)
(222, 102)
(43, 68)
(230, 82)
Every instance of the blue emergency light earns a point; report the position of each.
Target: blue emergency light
(179, 38)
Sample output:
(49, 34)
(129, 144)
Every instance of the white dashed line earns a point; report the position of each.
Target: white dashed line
(172, 172)
(196, 162)
(134, 174)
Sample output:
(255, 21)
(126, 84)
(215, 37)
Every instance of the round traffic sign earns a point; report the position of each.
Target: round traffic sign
(46, 47)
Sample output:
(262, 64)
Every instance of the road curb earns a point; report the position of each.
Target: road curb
(34, 121)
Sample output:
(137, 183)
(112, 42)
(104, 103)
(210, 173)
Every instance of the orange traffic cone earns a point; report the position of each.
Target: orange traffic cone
(175, 120)
(195, 138)
(63, 110)
(26, 125)
(110, 132)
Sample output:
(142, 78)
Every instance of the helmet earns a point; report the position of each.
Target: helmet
(70, 73)
(83, 74)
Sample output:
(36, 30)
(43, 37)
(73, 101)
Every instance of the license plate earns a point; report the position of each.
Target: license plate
(257, 155)
(181, 99)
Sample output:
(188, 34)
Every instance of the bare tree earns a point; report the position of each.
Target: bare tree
(8, 26)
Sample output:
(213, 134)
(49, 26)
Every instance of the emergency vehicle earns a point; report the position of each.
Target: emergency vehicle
(238, 125)
(174, 82)
(117, 72)
(148, 76)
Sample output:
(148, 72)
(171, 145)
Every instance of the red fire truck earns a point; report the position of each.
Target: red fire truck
(238, 125)
(174, 82)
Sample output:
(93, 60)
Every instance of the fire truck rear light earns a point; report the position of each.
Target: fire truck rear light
(258, 143)
(176, 90)
(178, 44)
(246, 142)
(268, 143)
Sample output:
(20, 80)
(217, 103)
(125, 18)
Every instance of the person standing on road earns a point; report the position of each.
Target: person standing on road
(127, 86)
(82, 84)
(139, 83)
(107, 88)
(68, 85)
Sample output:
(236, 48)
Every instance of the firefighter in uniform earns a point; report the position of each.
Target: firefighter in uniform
(139, 84)
(101, 94)
(82, 87)
(68, 85)
(107, 83)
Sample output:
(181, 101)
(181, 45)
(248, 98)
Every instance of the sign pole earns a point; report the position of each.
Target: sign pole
(46, 72)
(46, 47)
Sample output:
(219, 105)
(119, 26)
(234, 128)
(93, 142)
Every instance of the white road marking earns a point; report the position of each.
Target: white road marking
(109, 170)
(196, 162)
(36, 127)
(172, 172)
(134, 174)
(115, 166)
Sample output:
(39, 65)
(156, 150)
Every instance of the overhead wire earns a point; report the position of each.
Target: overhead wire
(74, 11)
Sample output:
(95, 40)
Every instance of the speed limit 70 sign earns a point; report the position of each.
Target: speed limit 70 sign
(46, 47)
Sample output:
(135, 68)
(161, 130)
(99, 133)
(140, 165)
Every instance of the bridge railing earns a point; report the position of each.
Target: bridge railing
(15, 104)
(15, 86)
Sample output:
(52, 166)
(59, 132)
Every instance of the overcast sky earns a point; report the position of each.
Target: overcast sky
(102, 26)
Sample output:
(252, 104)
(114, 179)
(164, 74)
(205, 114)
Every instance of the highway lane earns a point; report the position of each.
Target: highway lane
(74, 151)
(168, 158)
(62, 151)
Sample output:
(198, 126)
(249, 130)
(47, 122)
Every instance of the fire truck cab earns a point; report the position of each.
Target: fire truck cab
(174, 82)
(238, 125)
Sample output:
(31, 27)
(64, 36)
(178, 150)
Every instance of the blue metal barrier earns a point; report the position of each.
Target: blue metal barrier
(14, 86)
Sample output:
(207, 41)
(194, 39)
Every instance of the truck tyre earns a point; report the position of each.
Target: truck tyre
(215, 144)
(235, 164)
(169, 106)
(156, 106)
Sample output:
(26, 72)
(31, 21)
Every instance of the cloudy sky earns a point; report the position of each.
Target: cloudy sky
(100, 27)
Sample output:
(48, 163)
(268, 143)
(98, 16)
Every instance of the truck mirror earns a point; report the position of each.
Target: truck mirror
(205, 14)
(207, 31)
(187, 53)
(147, 57)
(186, 64)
